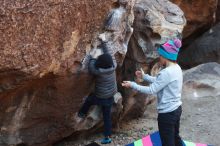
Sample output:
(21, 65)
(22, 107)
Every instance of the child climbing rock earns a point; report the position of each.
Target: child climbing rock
(168, 86)
(103, 68)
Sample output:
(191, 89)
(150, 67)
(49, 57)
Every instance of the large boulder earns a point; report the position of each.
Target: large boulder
(202, 81)
(218, 13)
(41, 37)
(154, 23)
(43, 64)
(204, 49)
(200, 15)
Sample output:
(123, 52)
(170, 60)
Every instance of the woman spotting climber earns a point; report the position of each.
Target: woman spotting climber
(168, 86)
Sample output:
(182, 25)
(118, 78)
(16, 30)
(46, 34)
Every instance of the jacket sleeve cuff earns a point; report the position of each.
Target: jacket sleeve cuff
(133, 85)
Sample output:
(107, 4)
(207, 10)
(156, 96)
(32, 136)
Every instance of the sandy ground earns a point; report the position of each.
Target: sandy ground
(200, 122)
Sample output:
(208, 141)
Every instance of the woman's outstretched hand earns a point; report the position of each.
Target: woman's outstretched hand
(126, 84)
(139, 73)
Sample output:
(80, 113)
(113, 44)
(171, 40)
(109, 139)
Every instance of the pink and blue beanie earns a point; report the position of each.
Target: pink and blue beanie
(170, 49)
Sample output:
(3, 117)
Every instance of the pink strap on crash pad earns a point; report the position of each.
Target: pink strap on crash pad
(199, 144)
(147, 141)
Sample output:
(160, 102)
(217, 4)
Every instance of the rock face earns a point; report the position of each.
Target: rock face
(40, 37)
(44, 57)
(43, 74)
(204, 49)
(201, 81)
(158, 21)
(200, 15)
(154, 23)
(218, 13)
(38, 111)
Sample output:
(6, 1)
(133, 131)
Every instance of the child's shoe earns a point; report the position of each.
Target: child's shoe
(78, 117)
(81, 115)
(106, 140)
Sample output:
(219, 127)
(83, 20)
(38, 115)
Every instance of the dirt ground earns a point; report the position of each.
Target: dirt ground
(200, 122)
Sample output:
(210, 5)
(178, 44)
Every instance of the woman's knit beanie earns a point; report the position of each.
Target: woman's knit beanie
(170, 49)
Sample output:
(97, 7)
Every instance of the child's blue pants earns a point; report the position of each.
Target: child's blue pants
(106, 105)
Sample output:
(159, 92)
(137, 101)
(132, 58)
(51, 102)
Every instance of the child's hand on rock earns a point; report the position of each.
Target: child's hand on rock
(95, 53)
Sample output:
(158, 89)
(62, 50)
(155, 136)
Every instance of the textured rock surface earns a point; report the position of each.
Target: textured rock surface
(154, 23)
(39, 37)
(42, 79)
(202, 81)
(200, 15)
(38, 111)
(218, 13)
(205, 49)
(158, 20)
